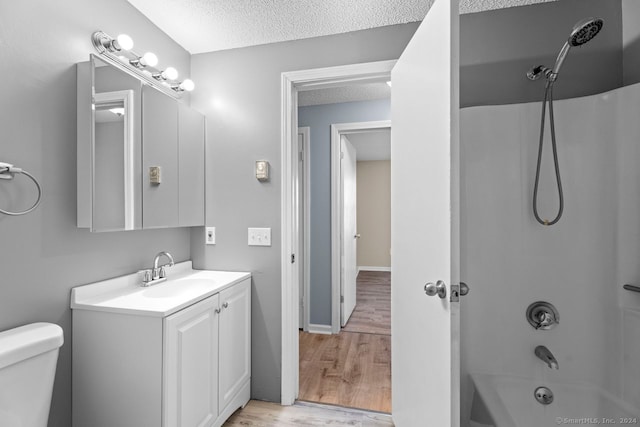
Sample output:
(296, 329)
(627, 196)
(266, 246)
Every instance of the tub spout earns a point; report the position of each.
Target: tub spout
(546, 356)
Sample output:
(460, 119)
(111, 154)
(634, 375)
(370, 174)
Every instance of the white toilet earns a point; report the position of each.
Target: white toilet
(28, 357)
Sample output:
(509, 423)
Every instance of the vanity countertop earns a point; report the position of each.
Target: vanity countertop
(184, 286)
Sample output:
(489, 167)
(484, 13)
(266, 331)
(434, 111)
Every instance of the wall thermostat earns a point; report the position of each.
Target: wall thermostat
(262, 170)
(154, 174)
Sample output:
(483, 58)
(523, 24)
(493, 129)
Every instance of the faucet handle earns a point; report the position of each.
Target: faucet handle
(162, 273)
(544, 319)
(146, 276)
(542, 315)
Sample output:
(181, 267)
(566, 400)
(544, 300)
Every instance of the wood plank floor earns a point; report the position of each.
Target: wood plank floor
(266, 414)
(348, 369)
(372, 314)
(353, 368)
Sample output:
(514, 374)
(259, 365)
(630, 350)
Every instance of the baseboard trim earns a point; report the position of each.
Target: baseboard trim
(319, 329)
(372, 268)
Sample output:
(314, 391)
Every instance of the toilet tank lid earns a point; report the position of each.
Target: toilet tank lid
(27, 341)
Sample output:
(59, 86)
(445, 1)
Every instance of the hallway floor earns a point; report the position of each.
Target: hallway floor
(266, 414)
(353, 368)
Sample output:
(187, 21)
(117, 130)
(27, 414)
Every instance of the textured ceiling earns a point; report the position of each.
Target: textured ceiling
(356, 92)
(210, 25)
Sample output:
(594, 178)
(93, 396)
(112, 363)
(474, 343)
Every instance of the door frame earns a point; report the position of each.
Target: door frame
(291, 83)
(306, 223)
(337, 130)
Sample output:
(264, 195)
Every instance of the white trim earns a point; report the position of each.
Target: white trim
(336, 207)
(289, 387)
(320, 329)
(292, 82)
(306, 226)
(370, 268)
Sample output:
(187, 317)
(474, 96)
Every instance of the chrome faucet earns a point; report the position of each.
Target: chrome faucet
(544, 354)
(157, 274)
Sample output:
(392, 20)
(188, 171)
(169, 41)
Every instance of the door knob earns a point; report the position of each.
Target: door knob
(439, 289)
(464, 289)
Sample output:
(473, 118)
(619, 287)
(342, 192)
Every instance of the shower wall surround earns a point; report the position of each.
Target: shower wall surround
(579, 264)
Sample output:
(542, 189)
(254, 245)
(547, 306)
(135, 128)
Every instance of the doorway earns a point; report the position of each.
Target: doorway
(367, 142)
(350, 364)
(292, 83)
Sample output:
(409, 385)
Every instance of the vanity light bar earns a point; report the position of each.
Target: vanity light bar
(119, 50)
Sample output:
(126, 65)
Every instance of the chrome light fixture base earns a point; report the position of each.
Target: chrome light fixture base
(133, 64)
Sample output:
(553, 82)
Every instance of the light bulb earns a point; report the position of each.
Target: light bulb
(170, 73)
(149, 59)
(125, 42)
(187, 85)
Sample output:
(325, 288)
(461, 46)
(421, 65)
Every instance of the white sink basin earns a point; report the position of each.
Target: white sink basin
(175, 288)
(183, 287)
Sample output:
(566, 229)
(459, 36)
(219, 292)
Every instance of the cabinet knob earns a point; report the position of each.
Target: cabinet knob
(225, 305)
(217, 311)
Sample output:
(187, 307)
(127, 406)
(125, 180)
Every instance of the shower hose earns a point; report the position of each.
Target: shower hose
(548, 95)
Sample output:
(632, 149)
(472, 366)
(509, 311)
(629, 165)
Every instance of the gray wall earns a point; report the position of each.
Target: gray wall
(320, 118)
(498, 47)
(631, 41)
(239, 92)
(43, 255)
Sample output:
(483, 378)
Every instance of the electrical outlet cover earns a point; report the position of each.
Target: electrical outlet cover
(210, 235)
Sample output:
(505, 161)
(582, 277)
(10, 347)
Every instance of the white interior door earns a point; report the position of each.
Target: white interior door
(349, 230)
(425, 222)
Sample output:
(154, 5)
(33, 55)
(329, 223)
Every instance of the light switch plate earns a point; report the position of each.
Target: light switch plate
(259, 237)
(210, 236)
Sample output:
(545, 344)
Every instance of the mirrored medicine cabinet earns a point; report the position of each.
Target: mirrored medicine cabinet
(140, 153)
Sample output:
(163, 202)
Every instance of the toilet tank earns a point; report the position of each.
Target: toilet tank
(28, 357)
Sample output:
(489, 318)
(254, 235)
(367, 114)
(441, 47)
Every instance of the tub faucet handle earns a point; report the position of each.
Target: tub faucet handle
(544, 319)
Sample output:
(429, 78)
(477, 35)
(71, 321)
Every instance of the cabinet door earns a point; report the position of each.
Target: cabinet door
(190, 167)
(235, 340)
(159, 149)
(190, 383)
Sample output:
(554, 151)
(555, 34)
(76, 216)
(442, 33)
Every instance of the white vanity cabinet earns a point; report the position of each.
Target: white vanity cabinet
(139, 366)
(207, 358)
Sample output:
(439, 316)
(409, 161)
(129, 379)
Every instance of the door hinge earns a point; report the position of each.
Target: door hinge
(301, 156)
(293, 258)
(341, 298)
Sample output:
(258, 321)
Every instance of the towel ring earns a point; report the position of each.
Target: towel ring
(7, 172)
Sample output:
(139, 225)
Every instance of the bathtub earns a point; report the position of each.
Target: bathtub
(507, 401)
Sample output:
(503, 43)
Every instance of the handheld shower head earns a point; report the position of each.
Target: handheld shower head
(583, 31)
